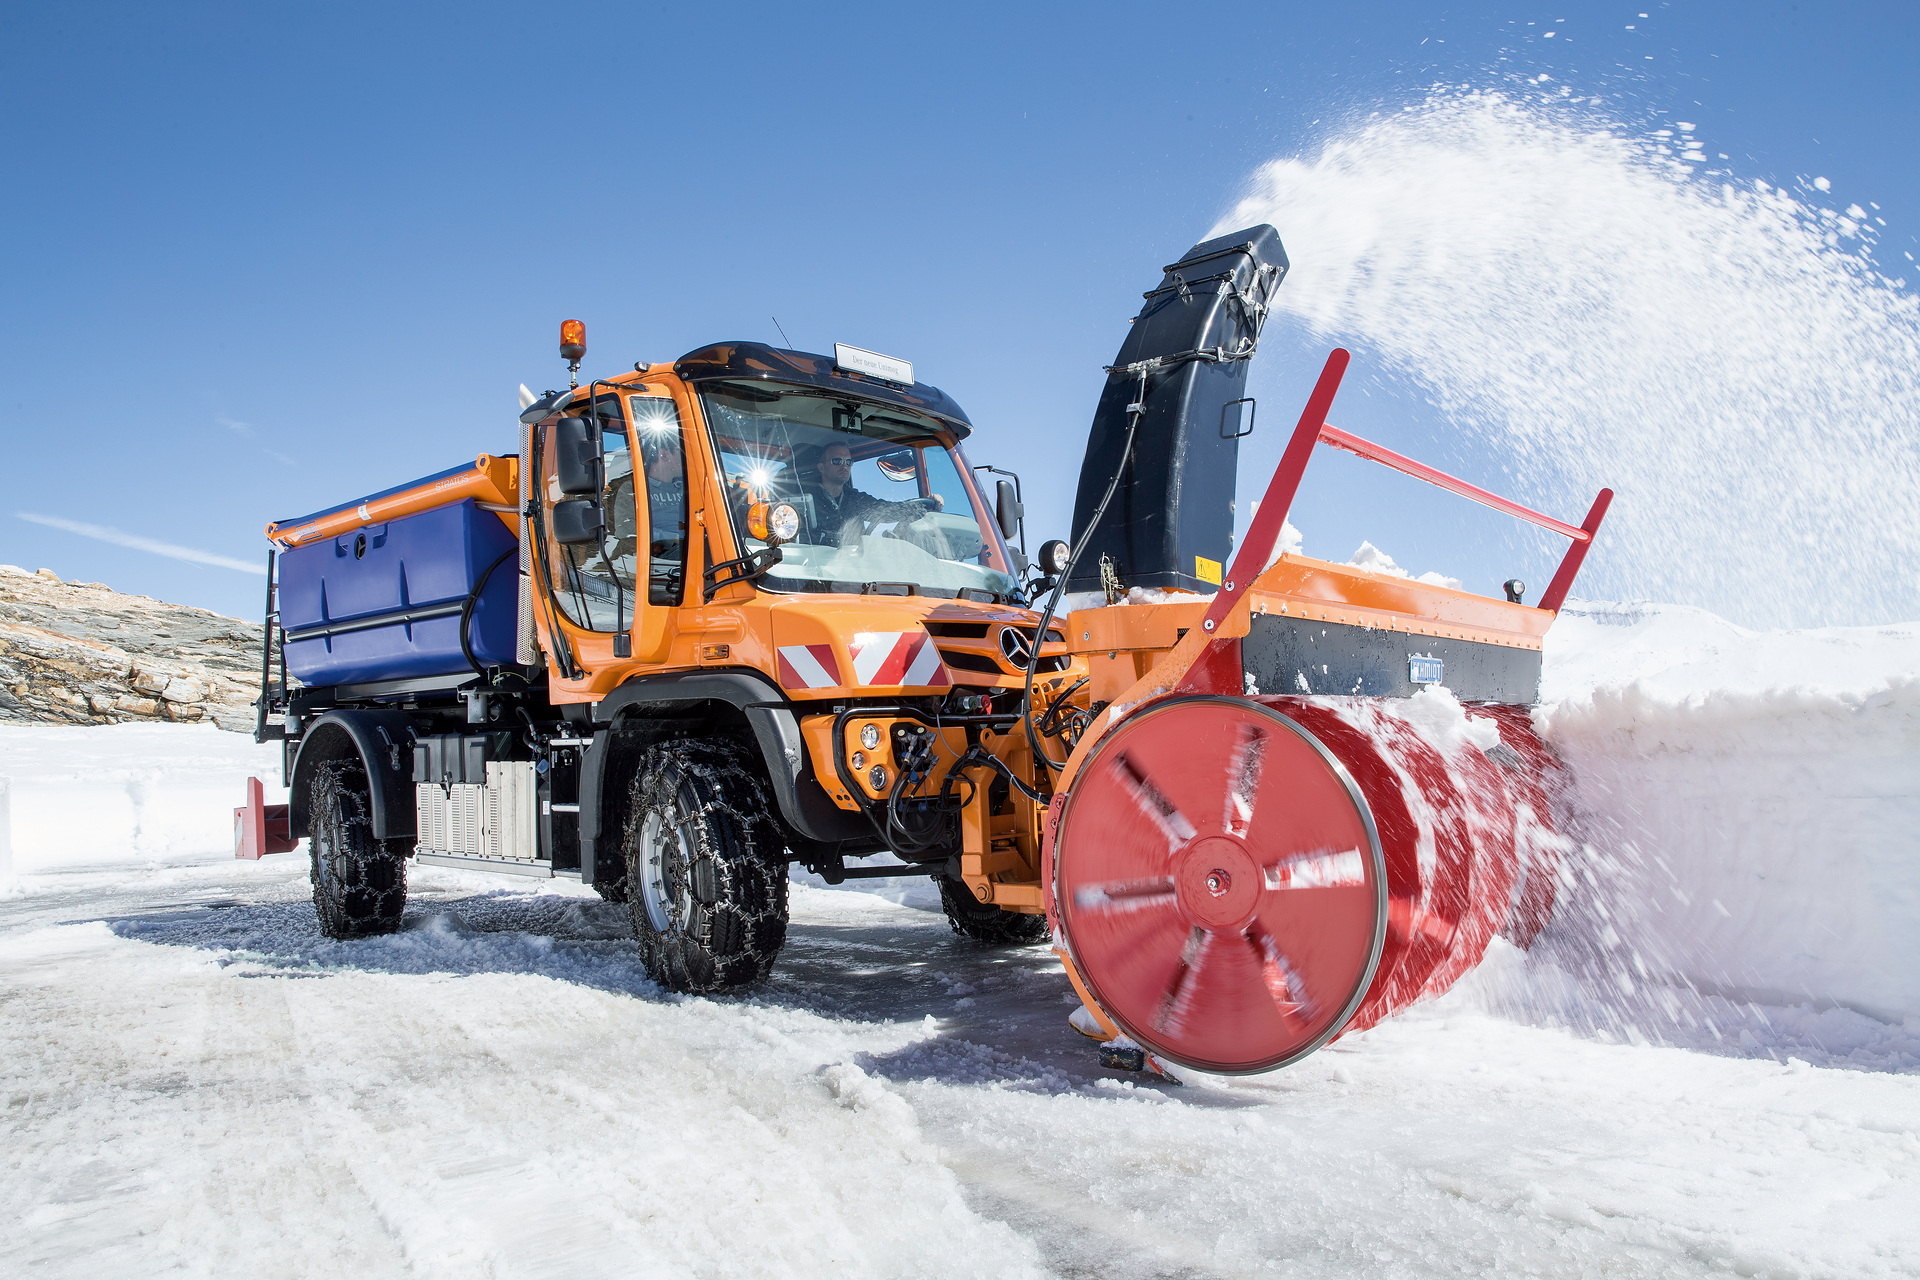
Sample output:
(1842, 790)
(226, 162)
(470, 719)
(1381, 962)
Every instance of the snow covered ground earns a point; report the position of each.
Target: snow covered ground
(1711, 1063)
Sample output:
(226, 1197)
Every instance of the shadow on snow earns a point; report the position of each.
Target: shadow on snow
(998, 1014)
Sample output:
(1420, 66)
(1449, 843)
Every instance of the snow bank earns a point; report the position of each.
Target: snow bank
(6, 833)
(1675, 652)
(1748, 805)
(127, 793)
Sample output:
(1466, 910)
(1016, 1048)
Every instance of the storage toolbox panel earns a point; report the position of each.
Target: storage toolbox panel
(490, 820)
(383, 602)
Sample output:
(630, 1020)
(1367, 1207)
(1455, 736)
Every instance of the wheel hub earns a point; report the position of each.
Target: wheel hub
(661, 874)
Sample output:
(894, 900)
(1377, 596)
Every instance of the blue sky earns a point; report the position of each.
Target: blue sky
(260, 259)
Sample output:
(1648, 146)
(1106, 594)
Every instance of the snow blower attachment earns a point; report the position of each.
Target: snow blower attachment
(1236, 877)
(761, 611)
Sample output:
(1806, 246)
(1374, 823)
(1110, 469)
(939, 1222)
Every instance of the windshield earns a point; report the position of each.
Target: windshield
(881, 499)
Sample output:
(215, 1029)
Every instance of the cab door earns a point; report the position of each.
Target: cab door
(614, 529)
(660, 514)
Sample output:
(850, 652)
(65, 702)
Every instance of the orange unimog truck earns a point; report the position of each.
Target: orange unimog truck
(756, 608)
(762, 612)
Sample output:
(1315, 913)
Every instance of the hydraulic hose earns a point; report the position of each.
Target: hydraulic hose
(466, 610)
(1058, 714)
(1135, 411)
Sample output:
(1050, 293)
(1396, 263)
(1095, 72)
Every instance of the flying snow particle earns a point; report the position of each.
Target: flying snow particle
(1494, 225)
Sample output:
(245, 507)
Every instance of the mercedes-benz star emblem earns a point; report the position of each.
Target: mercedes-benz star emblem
(1017, 647)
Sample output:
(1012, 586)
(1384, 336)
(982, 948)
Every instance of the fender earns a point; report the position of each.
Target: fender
(776, 731)
(383, 743)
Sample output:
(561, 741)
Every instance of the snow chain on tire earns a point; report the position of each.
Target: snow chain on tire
(984, 922)
(706, 869)
(359, 882)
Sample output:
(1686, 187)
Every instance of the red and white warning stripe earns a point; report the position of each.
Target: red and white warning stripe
(898, 658)
(808, 666)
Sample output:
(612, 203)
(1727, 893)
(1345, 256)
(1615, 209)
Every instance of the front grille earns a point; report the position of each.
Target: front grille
(1046, 664)
(958, 630)
(961, 660)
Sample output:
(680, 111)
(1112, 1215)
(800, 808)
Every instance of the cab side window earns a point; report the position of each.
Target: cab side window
(594, 584)
(656, 426)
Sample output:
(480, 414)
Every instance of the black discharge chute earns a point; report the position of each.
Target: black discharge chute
(1183, 370)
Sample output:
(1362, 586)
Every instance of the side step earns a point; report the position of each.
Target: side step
(510, 866)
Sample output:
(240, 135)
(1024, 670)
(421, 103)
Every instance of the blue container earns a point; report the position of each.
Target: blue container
(383, 602)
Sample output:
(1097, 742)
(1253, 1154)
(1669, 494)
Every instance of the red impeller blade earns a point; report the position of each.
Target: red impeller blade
(1220, 884)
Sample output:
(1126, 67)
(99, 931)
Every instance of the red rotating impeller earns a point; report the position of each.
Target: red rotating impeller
(1221, 884)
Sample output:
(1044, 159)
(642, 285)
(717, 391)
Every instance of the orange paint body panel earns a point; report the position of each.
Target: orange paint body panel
(1123, 643)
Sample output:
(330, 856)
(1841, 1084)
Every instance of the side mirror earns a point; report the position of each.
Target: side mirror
(576, 456)
(1007, 509)
(577, 521)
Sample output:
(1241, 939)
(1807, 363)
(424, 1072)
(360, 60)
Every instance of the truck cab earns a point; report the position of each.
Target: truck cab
(764, 613)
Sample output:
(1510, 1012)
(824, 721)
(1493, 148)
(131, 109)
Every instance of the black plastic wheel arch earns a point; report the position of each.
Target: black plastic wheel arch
(383, 743)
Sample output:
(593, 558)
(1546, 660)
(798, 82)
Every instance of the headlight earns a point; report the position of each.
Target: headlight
(870, 736)
(1053, 557)
(783, 522)
(858, 760)
(878, 778)
(773, 522)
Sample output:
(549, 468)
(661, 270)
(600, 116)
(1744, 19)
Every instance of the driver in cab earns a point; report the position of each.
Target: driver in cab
(837, 504)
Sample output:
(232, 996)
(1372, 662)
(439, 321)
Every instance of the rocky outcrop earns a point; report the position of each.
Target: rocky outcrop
(82, 653)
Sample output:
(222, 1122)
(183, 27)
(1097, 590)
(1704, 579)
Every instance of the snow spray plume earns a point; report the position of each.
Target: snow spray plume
(1597, 309)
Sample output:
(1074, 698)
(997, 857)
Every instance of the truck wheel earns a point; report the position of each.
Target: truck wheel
(984, 922)
(706, 880)
(359, 882)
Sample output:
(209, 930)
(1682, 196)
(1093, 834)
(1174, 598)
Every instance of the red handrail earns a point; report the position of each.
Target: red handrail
(1313, 429)
(1330, 434)
(1556, 592)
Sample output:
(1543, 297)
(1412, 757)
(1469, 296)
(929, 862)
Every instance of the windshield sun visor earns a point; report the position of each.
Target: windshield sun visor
(741, 361)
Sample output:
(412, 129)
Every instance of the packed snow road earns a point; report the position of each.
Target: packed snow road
(197, 1083)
